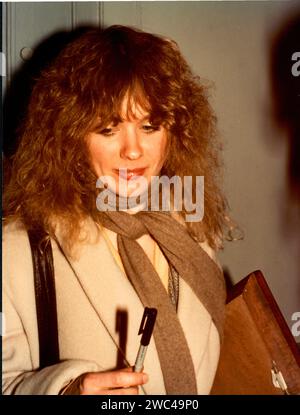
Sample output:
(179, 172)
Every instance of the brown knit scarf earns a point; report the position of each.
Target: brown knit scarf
(193, 265)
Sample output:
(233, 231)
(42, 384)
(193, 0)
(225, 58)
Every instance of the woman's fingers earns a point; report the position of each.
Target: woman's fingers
(111, 382)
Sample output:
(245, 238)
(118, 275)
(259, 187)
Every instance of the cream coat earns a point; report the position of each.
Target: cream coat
(91, 289)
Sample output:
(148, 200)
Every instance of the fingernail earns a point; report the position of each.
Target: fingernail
(145, 377)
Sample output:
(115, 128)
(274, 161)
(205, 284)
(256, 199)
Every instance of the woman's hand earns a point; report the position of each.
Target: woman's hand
(116, 382)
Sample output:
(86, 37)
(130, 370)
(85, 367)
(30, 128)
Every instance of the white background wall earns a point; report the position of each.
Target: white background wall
(229, 44)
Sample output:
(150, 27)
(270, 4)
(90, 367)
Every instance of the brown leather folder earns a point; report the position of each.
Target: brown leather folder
(259, 355)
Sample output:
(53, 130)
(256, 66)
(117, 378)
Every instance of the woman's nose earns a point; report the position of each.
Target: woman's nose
(131, 148)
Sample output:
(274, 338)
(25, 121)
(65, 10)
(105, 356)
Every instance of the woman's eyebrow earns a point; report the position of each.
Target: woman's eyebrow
(100, 124)
(145, 118)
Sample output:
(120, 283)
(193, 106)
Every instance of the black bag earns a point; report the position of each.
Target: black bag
(44, 284)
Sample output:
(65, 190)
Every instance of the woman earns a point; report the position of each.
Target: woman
(122, 105)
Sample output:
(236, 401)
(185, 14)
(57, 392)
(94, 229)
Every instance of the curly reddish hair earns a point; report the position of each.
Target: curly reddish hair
(52, 176)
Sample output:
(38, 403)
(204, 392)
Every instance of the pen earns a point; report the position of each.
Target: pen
(146, 329)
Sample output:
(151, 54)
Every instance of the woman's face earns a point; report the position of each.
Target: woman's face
(133, 144)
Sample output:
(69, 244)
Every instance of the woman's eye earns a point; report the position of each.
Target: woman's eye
(107, 132)
(148, 128)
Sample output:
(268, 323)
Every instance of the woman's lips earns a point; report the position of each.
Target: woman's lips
(130, 174)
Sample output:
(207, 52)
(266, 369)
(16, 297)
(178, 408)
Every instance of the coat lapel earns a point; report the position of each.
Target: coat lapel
(195, 321)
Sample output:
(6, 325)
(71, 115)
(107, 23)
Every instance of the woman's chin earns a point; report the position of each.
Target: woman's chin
(132, 188)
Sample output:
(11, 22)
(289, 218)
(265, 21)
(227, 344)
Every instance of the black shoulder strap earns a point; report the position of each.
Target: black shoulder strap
(44, 284)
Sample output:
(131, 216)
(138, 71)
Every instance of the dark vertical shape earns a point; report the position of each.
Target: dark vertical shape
(286, 95)
(122, 328)
(45, 297)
